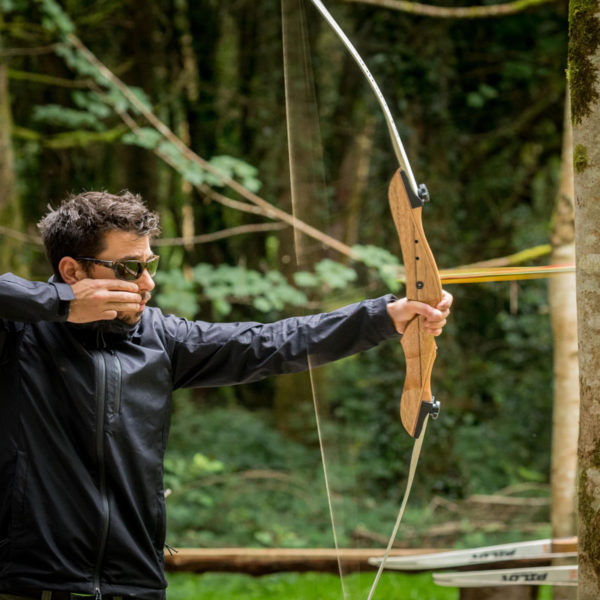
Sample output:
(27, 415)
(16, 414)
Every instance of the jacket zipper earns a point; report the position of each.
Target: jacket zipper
(117, 402)
(101, 404)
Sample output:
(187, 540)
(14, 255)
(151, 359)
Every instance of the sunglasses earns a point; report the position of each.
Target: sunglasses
(128, 270)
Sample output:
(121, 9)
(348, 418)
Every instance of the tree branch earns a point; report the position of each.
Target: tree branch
(19, 235)
(70, 139)
(192, 156)
(8, 52)
(231, 203)
(46, 79)
(454, 12)
(219, 235)
(175, 241)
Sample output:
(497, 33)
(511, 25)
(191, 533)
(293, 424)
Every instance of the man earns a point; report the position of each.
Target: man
(87, 370)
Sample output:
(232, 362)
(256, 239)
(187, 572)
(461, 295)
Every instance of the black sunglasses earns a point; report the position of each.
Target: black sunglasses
(128, 270)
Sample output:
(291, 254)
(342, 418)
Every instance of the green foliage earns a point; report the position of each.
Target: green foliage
(327, 276)
(191, 171)
(92, 103)
(60, 116)
(234, 168)
(223, 285)
(145, 137)
(482, 96)
(115, 98)
(78, 63)
(176, 293)
(8, 6)
(384, 262)
(267, 292)
(55, 19)
(238, 439)
(504, 417)
(246, 488)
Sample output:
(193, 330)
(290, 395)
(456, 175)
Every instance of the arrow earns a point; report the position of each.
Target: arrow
(532, 550)
(563, 575)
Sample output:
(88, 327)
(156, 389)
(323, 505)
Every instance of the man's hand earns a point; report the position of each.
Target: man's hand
(102, 299)
(403, 311)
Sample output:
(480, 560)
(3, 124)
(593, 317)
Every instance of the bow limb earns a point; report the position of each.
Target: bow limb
(389, 120)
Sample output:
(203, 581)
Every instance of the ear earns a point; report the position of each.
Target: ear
(70, 270)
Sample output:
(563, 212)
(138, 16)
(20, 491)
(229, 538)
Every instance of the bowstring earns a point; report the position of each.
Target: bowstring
(327, 481)
(305, 163)
(414, 461)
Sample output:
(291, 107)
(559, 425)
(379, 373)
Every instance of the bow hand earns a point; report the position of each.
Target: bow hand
(434, 318)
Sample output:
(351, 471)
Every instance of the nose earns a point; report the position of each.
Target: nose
(145, 282)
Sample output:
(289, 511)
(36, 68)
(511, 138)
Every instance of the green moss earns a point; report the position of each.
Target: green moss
(589, 513)
(580, 158)
(584, 39)
(595, 456)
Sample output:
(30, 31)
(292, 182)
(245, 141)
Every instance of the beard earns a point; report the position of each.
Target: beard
(131, 318)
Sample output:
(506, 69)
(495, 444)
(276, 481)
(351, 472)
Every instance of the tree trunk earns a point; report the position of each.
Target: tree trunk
(584, 59)
(7, 175)
(517, 592)
(9, 210)
(563, 311)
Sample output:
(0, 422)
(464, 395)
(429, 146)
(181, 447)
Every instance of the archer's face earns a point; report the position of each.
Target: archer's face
(121, 246)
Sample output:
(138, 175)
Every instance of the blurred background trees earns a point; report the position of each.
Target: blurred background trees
(479, 105)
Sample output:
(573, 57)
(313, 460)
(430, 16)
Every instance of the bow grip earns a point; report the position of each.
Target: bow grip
(422, 284)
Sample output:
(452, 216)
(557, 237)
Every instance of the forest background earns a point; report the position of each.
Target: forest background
(479, 105)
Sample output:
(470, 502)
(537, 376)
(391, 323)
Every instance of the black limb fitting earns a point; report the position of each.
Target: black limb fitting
(415, 201)
(427, 408)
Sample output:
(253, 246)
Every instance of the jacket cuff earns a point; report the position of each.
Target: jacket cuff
(64, 293)
(382, 322)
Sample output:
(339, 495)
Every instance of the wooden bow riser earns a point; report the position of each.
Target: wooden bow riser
(422, 284)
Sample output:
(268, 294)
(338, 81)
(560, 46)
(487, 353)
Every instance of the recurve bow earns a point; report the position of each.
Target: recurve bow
(406, 200)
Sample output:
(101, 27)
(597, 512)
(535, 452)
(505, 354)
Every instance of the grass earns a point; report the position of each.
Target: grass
(305, 586)
(308, 586)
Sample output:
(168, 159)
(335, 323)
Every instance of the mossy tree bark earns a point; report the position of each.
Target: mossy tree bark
(584, 62)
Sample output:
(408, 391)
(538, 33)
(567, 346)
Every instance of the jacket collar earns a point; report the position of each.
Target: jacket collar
(101, 334)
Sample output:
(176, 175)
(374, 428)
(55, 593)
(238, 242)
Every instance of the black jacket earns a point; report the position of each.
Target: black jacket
(84, 420)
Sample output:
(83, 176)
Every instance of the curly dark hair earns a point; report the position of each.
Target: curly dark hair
(77, 226)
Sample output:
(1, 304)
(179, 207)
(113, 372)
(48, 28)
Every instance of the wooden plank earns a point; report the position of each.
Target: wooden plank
(261, 561)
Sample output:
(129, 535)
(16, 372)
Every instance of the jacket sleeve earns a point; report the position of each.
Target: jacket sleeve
(29, 301)
(23, 300)
(213, 354)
